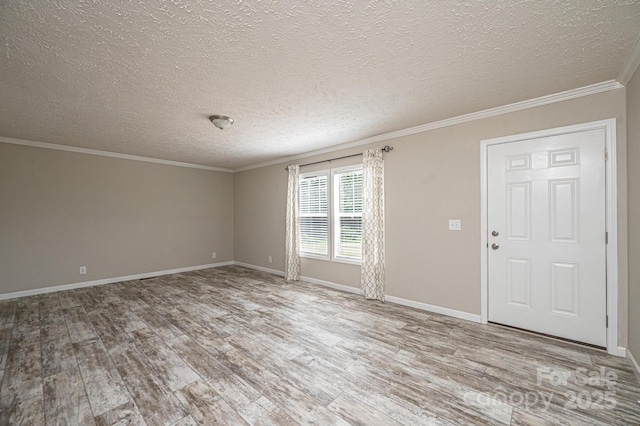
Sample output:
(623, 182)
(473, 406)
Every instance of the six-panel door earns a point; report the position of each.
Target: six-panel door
(547, 264)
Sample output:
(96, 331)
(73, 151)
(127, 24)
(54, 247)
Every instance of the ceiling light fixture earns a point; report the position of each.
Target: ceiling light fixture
(221, 121)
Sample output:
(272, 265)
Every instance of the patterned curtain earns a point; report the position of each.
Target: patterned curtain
(292, 243)
(372, 270)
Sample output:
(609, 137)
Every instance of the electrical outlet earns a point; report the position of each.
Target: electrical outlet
(455, 225)
(270, 259)
(83, 270)
(214, 255)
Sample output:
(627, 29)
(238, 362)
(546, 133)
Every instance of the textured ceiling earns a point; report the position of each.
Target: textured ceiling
(141, 77)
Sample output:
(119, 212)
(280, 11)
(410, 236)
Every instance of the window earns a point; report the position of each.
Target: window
(330, 212)
(313, 203)
(347, 216)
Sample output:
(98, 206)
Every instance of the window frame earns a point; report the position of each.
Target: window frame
(310, 255)
(332, 214)
(335, 215)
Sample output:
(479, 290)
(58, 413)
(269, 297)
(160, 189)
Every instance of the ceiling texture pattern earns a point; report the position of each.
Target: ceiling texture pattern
(141, 77)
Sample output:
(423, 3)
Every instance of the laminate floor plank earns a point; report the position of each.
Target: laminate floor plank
(287, 349)
(290, 373)
(23, 371)
(28, 412)
(157, 404)
(232, 388)
(211, 340)
(128, 297)
(206, 406)
(7, 311)
(103, 383)
(66, 401)
(125, 414)
(50, 310)
(186, 421)
(236, 346)
(26, 321)
(265, 413)
(357, 412)
(166, 364)
(5, 339)
(109, 329)
(68, 299)
(560, 355)
(89, 299)
(428, 359)
(193, 306)
(370, 392)
(21, 386)
(57, 349)
(157, 322)
(250, 368)
(401, 409)
(125, 318)
(79, 324)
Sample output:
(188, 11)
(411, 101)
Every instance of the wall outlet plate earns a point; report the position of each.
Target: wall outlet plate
(214, 255)
(83, 270)
(455, 225)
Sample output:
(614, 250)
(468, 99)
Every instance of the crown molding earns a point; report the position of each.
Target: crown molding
(592, 89)
(630, 64)
(629, 67)
(108, 154)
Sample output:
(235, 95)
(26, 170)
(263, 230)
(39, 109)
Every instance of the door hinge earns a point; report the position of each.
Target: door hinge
(607, 321)
(606, 154)
(606, 238)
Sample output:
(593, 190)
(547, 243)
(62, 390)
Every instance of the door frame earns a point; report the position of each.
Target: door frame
(611, 213)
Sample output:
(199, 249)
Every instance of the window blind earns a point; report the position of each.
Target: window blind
(348, 215)
(313, 215)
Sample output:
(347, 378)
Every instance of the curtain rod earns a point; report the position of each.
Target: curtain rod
(387, 148)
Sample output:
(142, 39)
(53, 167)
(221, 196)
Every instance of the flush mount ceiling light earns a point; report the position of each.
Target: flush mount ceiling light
(221, 121)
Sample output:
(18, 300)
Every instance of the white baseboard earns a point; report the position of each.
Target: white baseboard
(397, 300)
(435, 309)
(634, 364)
(260, 268)
(418, 305)
(329, 284)
(62, 287)
(334, 286)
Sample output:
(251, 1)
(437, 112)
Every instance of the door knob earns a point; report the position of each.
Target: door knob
(495, 233)
(495, 246)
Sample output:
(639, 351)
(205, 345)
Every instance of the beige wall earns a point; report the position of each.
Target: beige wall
(61, 210)
(430, 177)
(633, 161)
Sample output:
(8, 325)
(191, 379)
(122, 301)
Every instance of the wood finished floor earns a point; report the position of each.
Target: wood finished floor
(236, 346)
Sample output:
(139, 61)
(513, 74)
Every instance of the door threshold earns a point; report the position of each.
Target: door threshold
(550, 336)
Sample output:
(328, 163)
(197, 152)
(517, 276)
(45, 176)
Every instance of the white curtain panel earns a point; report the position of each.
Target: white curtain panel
(372, 270)
(292, 243)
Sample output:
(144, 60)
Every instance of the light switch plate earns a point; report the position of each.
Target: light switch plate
(455, 225)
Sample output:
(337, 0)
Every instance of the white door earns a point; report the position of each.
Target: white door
(546, 226)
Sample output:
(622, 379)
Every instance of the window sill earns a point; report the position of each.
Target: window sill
(347, 261)
(315, 257)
